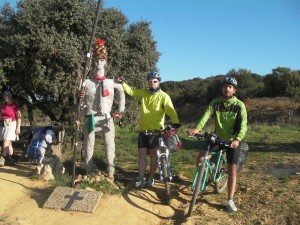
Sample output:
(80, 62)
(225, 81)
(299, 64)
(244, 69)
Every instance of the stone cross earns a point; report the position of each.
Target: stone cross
(72, 198)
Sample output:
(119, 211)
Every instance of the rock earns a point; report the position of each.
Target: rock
(90, 189)
(47, 173)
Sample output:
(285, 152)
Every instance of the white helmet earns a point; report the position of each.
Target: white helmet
(154, 74)
(229, 80)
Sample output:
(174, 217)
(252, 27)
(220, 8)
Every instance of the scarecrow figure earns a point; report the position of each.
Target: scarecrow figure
(98, 93)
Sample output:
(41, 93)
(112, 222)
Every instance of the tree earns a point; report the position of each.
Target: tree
(274, 83)
(42, 53)
(292, 90)
(284, 82)
(140, 58)
(249, 85)
(43, 44)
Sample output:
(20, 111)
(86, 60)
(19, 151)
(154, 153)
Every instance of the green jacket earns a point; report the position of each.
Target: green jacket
(230, 118)
(153, 108)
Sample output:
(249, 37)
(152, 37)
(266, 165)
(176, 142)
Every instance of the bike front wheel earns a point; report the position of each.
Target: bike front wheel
(199, 182)
(164, 166)
(221, 177)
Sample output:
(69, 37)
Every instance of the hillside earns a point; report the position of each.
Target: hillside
(260, 110)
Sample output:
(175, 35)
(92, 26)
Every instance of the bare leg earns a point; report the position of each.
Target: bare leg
(10, 149)
(153, 162)
(7, 149)
(232, 177)
(142, 161)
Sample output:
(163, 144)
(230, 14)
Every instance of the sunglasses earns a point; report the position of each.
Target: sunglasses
(153, 81)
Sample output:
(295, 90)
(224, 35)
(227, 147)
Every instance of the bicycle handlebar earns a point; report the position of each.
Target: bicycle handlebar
(212, 138)
(168, 129)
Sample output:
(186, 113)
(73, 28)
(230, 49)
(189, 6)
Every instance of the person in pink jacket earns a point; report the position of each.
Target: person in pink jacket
(10, 126)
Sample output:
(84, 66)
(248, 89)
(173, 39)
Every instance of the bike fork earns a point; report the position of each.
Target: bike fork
(169, 169)
(204, 178)
(164, 152)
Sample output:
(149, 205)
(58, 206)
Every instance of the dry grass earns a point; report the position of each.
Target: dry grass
(271, 110)
(260, 110)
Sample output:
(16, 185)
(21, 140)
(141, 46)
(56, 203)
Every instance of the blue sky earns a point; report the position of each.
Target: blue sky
(203, 38)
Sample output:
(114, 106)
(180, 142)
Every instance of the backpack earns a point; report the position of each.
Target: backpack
(242, 155)
(39, 141)
(172, 141)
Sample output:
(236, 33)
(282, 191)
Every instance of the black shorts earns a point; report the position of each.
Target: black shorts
(232, 155)
(146, 141)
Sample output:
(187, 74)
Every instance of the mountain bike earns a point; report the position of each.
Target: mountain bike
(163, 157)
(209, 172)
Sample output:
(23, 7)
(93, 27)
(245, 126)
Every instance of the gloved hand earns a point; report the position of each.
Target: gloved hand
(176, 126)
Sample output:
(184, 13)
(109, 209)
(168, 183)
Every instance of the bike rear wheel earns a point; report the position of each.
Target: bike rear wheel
(222, 176)
(164, 166)
(197, 187)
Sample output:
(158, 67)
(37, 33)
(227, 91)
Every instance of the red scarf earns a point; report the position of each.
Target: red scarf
(99, 78)
(105, 92)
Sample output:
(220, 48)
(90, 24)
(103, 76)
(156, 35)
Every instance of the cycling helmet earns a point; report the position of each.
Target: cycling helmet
(229, 80)
(154, 74)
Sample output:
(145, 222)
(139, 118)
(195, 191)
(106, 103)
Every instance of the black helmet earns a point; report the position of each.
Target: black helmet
(229, 80)
(154, 74)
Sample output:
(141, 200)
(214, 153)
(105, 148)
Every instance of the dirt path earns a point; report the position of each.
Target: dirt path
(22, 199)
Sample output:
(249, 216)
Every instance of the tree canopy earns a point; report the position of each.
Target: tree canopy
(43, 46)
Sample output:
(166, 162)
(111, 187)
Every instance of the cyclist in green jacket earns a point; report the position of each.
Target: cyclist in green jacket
(230, 117)
(155, 103)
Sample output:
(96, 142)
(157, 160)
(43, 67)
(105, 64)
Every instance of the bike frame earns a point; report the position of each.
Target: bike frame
(163, 158)
(209, 171)
(204, 168)
(162, 151)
